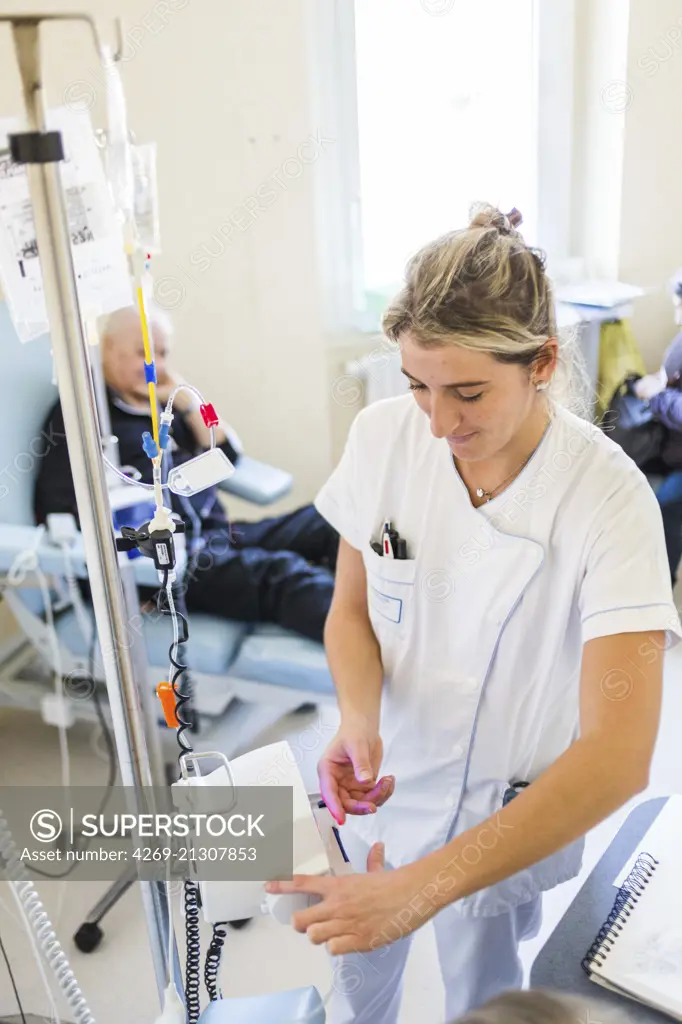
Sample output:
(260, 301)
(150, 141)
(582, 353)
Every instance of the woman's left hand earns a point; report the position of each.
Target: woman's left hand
(359, 913)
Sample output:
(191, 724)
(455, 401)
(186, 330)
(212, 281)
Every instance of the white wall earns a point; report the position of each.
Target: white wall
(626, 198)
(601, 99)
(651, 205)
(223, 89)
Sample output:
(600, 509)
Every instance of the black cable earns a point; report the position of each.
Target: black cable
(193, 964)
(213, 956)
(191, 893)
(14, 984)
(182, 697)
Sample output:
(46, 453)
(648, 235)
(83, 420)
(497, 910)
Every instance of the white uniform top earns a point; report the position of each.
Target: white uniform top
(482, 628)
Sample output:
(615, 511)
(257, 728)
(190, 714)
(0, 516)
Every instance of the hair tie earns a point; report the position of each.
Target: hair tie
(511, 221)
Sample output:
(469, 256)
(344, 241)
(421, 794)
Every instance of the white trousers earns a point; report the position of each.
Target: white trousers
(478, 956)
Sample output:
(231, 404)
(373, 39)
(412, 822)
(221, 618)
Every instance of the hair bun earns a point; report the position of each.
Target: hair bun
(485, 216)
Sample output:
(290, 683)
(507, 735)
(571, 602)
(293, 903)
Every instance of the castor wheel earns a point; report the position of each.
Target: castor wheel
(242, 923)
(88, 937)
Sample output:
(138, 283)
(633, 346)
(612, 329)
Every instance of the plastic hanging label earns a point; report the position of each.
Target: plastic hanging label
(206, 470)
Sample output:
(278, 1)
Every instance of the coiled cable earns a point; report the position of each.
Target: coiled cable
(40, 925)
(212, 965)
(178, 669)
(193, 963)
(37, 956)
(191, 892)
(53, 952)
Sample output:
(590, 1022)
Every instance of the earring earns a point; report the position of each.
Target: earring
(541, 385)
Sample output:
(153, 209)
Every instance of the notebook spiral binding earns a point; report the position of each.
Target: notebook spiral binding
(628, 895)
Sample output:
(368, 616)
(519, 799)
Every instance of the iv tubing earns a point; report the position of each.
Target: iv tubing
(148, 359)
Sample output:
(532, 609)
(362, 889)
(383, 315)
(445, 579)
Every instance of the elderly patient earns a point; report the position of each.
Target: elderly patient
(277, 570)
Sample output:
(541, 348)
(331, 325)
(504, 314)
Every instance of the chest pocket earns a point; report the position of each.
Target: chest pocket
(390, 596)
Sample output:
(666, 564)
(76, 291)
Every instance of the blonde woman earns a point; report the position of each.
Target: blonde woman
(497, 648)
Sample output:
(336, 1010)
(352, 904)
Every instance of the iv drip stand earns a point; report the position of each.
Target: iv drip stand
(83, 440)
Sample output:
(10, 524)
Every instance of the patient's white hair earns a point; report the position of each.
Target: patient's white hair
(114, 324)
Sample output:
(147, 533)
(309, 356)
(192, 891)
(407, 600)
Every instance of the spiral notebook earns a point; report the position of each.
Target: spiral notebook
(638, 951)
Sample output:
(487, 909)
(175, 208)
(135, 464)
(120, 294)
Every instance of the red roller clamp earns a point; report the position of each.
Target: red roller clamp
(209, 415)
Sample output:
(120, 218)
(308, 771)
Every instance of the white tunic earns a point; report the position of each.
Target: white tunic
(481, 630)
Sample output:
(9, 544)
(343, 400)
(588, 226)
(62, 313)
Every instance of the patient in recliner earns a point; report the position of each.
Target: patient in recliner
(277, 570)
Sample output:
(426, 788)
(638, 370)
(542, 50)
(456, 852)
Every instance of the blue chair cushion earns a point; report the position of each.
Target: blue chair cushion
(257, 482)
(211, 648)
(275, 656)
(298, 1004)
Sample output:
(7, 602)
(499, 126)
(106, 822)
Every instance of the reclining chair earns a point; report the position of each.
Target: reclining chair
(245, 677)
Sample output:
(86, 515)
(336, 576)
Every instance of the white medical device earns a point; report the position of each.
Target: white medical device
(317, 844)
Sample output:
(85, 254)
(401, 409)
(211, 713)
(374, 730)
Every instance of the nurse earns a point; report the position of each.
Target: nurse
(500, 683)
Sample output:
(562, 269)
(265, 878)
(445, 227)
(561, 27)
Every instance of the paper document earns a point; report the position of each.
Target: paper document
(664, 835)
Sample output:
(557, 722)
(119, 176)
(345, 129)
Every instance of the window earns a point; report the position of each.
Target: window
(446, 115)
(442, 103)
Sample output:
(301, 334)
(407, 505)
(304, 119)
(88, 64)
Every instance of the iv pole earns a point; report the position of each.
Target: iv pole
(41, 151)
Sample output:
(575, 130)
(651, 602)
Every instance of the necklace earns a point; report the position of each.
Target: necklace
(482, 493)
(488, 495)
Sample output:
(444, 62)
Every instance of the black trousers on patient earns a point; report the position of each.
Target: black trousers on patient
(278, 570)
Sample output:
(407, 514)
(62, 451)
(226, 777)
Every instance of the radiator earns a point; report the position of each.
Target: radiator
(379, 373)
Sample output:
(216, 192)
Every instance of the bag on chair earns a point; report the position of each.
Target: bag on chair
(630, 423)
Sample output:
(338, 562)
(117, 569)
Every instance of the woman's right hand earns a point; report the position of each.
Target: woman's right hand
(348, 772)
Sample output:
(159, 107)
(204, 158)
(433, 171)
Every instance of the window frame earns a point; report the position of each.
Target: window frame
(339, 202)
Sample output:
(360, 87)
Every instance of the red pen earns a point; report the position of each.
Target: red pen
(386, 541)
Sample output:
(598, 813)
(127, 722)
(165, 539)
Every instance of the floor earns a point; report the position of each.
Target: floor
(118, 979)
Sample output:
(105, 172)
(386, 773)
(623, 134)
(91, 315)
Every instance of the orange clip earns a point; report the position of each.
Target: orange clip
(164, 691)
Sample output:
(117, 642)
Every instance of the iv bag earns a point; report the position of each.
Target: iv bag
(117, 155)
(146, 196)
(102, 277)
